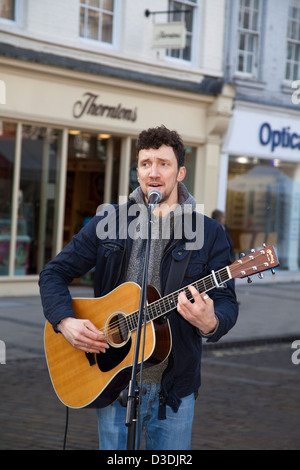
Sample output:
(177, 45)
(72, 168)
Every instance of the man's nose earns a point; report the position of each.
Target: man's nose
(154, 171)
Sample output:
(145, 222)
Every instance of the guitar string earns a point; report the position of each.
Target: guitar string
(223, 277)
(153, 306)
(130, 320)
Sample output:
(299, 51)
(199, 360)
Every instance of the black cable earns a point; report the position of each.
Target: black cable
(66, 427)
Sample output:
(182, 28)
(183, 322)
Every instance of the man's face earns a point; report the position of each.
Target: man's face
(158, 169)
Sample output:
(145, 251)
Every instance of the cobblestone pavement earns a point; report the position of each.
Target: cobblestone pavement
(249, 398)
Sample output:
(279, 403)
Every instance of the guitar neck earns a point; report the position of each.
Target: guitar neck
(168, 303)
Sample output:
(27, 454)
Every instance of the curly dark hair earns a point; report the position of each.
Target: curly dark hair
(155, 137)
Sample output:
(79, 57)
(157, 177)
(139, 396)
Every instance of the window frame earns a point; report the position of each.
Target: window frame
(115, 24)
(193, 34)
(18, 7)
(293, 62)
(256, 35)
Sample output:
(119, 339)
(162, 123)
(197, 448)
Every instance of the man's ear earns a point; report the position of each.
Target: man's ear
(181, 173)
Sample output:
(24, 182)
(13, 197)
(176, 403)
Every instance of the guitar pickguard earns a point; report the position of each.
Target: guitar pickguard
(113, 356)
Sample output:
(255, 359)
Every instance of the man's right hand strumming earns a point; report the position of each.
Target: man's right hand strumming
(83, 334)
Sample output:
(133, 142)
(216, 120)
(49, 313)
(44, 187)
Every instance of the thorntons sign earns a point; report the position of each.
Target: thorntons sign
(90, 105)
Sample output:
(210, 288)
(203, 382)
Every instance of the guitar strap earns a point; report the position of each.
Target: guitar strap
(174, 282)
(176, 273)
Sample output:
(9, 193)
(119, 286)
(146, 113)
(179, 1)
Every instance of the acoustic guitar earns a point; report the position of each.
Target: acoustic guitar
(85, 379)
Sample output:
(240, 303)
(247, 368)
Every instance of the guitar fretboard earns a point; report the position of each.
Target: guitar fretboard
(168, 303)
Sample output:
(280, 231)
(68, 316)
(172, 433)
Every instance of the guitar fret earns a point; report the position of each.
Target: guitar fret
(135, 320)
(200, 286)
(150, 313)
(208, 283)
(132, 322)
(129, 322)
(223, 275)
(218, 276)
(173, 301)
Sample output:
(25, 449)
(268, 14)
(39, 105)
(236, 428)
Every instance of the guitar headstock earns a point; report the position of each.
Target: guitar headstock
(254, 263)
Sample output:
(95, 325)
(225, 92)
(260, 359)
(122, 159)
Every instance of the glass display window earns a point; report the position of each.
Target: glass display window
(93, 166)
(37, 205)
(7, 159)
(263, 206)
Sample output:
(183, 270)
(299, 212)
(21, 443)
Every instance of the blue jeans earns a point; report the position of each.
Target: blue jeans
(172, 433)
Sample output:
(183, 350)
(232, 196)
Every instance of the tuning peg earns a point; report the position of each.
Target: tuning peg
(264, 245)
(253, 250)
(242, 255)
(272, 271)
(261, 276)
(249, 280)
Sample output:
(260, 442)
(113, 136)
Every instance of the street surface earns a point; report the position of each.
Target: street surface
(249, 398)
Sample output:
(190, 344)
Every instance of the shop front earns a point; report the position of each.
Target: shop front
(67, 145)
(261, 168)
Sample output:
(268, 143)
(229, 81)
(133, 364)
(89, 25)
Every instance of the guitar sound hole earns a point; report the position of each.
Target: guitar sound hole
(117, 330)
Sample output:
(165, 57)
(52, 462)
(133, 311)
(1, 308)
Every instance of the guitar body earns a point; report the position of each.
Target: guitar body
(84, 379)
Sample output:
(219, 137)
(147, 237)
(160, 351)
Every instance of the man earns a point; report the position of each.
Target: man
(221, 218)
(169, 388)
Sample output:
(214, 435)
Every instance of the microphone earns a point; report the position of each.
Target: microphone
(154, 196)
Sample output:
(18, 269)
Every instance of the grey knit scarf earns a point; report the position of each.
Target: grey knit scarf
(161, 231)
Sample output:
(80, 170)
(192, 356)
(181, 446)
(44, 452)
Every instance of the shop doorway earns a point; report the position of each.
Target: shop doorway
(92, 177)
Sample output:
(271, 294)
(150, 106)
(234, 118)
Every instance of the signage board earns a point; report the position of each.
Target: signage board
(259, 134)
(169, 35)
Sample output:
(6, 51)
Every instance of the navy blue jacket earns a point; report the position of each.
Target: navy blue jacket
(110, 258)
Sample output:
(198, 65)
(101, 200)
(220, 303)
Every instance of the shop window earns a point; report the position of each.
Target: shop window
(38, 198)
(7, 156)
(11, 12)
(28, 197)
(248, 36)
(263, 206)
(8, 9)
(92, 177)
(183, 10)
(293, 41)
(97, 20)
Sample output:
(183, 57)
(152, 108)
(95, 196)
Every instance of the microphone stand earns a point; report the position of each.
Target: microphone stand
(134, 392)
